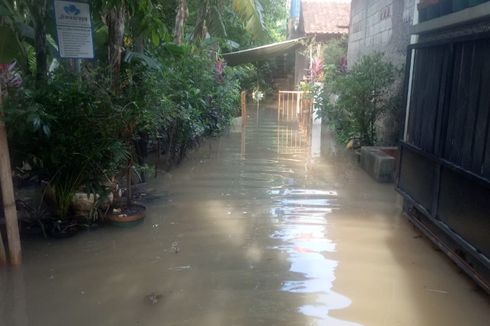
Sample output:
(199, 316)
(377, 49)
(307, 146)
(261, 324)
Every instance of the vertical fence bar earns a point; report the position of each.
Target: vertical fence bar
(279, 106)
(297, 104)
(243, 102)
(286, 106)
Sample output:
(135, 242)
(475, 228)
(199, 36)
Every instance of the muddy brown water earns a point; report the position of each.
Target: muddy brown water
(255, 228)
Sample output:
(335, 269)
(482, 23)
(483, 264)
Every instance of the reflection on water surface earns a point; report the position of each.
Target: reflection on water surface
(254, 228)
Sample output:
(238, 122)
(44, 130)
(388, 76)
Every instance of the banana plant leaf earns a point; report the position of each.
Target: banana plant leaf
(10, 48)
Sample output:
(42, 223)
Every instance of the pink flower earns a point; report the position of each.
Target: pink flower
(316, 69)
(9, 76)
(219, 69)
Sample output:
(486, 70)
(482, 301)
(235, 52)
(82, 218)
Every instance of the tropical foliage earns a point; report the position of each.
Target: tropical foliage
(354, 101)
(66, 130)
(158, 76)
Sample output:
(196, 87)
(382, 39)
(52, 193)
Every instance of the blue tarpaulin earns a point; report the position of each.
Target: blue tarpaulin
(295, 8)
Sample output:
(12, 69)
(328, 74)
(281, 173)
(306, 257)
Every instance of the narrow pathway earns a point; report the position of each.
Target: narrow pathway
(255, 228)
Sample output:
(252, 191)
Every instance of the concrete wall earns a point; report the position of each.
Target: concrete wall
(301, 67)
(380, 25)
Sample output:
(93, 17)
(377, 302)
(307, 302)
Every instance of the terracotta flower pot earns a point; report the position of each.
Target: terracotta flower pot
(127, 216)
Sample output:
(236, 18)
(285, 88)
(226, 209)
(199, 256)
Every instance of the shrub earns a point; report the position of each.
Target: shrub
(76, 133)
(354, 101)
(196, 102)
(68, 132)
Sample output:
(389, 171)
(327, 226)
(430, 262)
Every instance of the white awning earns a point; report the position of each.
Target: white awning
(263, 52)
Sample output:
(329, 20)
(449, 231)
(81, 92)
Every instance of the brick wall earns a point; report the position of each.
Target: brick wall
(380, 25)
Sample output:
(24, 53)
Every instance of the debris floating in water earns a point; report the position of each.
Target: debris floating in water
(175, 247)
(153, 298)
(437, 291)
(180, 268)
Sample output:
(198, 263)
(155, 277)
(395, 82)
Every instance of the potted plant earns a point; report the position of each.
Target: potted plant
(137, 117)
(124, 212)
(428, 9)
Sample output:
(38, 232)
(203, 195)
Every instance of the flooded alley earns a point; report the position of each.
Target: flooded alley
(269, 224)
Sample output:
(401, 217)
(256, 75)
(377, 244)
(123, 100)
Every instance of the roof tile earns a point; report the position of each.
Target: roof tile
(325, 17)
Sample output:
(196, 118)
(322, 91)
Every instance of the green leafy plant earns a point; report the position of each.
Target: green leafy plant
(354, 101)
(68, 132)
(194, 98)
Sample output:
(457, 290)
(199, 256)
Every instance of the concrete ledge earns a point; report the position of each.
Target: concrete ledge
(379, 162)
(464, 16)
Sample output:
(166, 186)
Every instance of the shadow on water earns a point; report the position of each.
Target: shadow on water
(390, 272)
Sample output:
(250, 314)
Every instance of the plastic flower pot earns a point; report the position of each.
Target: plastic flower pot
(127, 216)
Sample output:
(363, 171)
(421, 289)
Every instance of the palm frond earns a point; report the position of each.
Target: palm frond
(216, 25)
(147, 60)
(252, 14)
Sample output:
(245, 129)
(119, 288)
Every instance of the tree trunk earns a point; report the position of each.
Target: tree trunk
(39, 11)
(41, 52)
(182, 14)
(139, 44)
(3, 254)
(200, 30)
(8, 198)
(116, 20)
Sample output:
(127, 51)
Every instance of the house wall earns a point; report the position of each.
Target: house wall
(300, 66)
(380, 25)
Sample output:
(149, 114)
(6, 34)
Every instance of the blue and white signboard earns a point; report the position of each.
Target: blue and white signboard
(74, 29)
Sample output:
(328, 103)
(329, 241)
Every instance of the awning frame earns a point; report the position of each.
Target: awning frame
(263, 52)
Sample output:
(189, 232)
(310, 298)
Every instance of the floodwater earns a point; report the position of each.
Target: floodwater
(264, 226)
